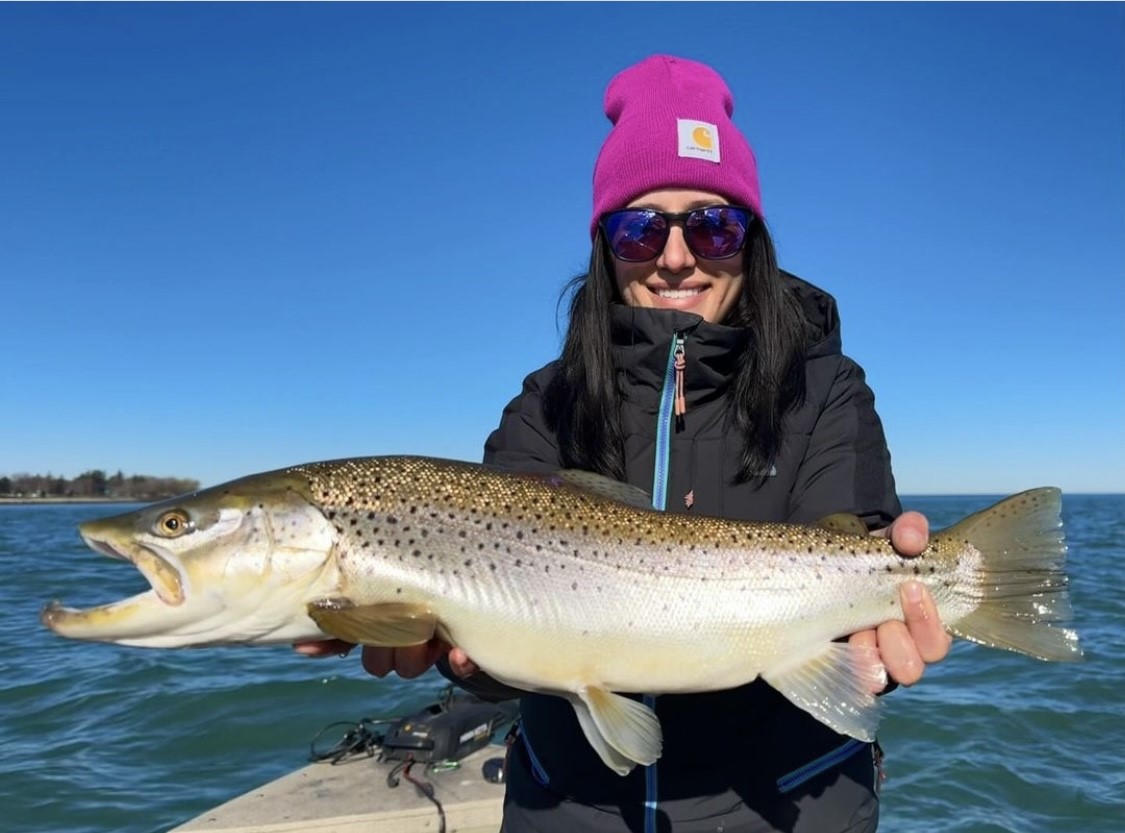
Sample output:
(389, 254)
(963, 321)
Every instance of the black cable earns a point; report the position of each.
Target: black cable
(424, 787)
(360, 738)
(427, 789)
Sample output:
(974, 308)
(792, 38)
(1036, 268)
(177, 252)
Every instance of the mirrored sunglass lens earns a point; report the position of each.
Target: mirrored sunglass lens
(636, 235)
(716, 233)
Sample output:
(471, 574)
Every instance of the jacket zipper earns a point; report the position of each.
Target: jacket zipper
(672, 405)
(670, 398)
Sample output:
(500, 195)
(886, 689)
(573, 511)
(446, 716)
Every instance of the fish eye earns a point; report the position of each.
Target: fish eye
(173, 524)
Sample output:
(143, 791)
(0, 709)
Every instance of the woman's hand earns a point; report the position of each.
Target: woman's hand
(408, 663)
(906, 647)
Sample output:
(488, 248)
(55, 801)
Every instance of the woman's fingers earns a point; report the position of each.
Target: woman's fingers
(923, 622)
(461, 665)
(909, 533)
(327, 648)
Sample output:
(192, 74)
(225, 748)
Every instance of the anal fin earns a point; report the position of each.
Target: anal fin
(836, 684)
(392, 625)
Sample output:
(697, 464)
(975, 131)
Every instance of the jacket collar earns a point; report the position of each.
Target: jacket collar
(642, 341)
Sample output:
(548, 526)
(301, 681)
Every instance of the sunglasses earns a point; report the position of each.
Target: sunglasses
(715, 233)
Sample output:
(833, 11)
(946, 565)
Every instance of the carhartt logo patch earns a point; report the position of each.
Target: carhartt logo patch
(698, 140)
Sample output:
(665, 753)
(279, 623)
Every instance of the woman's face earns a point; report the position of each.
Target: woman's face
(677, 278)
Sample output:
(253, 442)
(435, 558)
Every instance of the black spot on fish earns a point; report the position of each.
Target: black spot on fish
(492, 566)
(416, 553)
(519, 562)
(391, 519)
(468, 562)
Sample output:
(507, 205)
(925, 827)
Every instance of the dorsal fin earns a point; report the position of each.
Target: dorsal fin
(843, 522)
(606, 487)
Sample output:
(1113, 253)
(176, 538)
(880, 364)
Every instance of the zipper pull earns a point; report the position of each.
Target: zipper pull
(680, 407)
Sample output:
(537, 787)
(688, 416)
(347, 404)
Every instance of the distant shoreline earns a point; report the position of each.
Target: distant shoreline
(4, 499)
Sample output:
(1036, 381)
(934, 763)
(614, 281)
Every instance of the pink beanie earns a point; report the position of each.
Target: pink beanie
(672, 129)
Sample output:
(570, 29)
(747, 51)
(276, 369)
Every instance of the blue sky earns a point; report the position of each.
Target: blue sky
(235, 237)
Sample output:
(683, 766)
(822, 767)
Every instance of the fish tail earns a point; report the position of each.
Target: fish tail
(1019, 590)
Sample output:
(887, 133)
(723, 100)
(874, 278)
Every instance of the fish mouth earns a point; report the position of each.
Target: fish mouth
(159, 571)
(164, 578)
(94, 622)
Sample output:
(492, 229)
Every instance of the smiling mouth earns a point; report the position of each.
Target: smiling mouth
(678, 294)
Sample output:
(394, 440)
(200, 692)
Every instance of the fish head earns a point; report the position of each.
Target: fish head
(237, 563)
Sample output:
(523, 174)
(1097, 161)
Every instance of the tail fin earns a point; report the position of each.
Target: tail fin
(1021, 586)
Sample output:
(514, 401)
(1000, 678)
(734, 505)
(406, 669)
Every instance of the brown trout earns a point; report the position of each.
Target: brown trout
(569, 584)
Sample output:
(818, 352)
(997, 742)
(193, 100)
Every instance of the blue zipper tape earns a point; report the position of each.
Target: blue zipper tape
(794, 779)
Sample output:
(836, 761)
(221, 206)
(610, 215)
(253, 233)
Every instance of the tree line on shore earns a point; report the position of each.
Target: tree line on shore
(95, 484)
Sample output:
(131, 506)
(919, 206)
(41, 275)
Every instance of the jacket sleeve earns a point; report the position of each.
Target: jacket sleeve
(522, 442)
(847, 465)
(479, 684)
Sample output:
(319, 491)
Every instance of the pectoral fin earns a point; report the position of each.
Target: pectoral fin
(390, 625)
(629, 729)
(836, 684)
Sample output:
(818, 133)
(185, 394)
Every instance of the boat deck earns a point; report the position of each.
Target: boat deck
(353, 796)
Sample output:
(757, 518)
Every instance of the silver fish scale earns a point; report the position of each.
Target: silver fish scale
(538, 551)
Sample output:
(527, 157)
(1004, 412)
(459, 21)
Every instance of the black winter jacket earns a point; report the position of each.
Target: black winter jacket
(834, 458)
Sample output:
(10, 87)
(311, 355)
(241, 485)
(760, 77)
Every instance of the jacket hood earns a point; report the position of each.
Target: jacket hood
(821, 314)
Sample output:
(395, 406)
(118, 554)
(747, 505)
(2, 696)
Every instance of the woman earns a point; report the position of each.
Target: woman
(694, 368)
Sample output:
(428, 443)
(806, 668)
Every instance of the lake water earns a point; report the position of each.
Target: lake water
(101, 739)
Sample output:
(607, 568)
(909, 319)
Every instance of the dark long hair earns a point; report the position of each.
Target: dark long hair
(582, 402)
